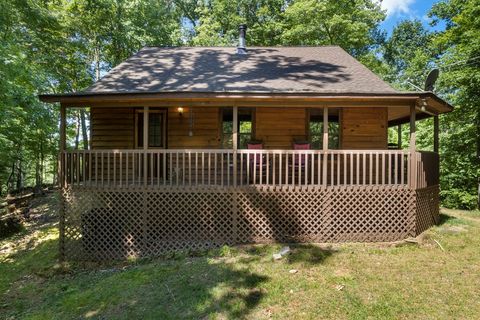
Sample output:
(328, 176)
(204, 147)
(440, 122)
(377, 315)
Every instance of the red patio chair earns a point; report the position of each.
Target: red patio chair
(255, 146)
(300, 146)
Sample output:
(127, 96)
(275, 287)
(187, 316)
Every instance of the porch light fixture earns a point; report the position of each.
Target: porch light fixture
(180, 111)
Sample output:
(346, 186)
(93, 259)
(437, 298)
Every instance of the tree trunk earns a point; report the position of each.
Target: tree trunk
(97, 63)
(84, 129)
(11, 178)
(42, 164)
(56, 178)
(19, 175)
(37, 171)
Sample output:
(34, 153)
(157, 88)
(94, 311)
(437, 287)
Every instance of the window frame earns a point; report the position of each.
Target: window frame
(164, 112)
(241, 111)
(331, 119)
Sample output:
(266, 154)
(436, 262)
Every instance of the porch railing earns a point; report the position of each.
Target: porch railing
(151, 168)
(427, 169)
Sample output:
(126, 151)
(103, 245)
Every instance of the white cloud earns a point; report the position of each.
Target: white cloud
(426, 18)
(397, 6)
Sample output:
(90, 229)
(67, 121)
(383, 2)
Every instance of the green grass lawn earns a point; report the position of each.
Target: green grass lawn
(436, 278)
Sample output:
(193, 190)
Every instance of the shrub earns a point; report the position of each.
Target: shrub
(458, 199)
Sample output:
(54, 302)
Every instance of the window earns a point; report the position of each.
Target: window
(315, 127)
(245, 128)
(156, 126)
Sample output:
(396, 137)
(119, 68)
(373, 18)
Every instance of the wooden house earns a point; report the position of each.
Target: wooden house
(197, 147)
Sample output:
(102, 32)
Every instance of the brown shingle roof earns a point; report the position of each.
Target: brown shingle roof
(219, 69)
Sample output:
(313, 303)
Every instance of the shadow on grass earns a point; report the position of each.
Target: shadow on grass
(445, 218)
(190, 288)
(309, 254)
(182, 287)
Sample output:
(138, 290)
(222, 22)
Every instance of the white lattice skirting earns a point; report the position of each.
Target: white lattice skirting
(118, 223)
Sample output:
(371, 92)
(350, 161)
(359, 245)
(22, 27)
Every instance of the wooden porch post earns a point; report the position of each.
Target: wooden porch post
(145, 145)
(435, 134)
(235, 143)
(61, 180)
(412, 128)
(325, 128)
(399, 136)
(62, 145)
(235, 197)
(325, 144)
(412, 149)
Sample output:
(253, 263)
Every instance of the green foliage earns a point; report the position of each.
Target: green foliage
(27, 127)
(458, 198)
(63, 46)
(460, 84)
(349, 24)
(409, 39)
(219, 20)
(353, 25)
(410, 53)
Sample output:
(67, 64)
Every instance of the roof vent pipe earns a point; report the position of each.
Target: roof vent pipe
(241, 49)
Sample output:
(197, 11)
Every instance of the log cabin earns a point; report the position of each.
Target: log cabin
(199, 147)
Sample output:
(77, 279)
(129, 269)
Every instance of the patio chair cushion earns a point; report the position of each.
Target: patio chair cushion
(300, 146)
(255, 146)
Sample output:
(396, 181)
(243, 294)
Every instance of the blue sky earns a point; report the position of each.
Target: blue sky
(398, 10)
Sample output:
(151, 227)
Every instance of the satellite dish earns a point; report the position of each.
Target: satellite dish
(431, 78)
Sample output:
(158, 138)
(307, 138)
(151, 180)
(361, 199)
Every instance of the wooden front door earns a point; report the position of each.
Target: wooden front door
(157, 138)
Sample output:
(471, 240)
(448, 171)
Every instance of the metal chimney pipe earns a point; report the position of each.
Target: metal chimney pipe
(241, 49)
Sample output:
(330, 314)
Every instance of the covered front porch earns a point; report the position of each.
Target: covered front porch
(325, 145)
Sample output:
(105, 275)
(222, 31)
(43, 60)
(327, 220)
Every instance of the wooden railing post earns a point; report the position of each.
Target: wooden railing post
(412, 149)
(399, 137)
(61, 146)
(145, 176)
(235, 144)
(234, 194)
(61, 180)
(325, 145)
(145, 145)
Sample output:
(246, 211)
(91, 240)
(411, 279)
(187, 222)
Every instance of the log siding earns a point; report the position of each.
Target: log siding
(112, 128)
(364, 128)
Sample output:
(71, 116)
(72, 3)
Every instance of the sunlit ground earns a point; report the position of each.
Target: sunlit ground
(436, 278)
